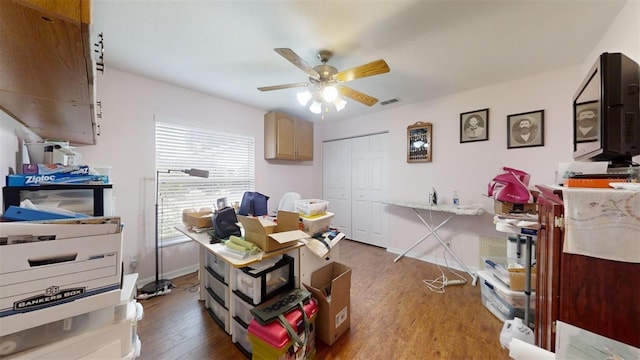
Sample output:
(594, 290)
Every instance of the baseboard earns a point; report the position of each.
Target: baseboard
(168, 275)
(452, 263)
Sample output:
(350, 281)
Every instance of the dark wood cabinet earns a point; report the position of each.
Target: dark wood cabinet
(598, 295)
(47, 80)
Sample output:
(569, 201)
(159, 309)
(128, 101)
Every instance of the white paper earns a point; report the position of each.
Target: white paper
(520, 350)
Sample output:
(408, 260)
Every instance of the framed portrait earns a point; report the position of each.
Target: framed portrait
(525, 129)
(419, 142)
(587, 122)
(474, 126)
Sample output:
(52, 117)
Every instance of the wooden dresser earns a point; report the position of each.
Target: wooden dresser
(598, 295)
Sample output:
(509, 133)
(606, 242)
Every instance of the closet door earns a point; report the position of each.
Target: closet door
(369, 189)
(336, 180)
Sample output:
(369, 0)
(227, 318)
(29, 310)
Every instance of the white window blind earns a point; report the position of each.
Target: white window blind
(229, 158)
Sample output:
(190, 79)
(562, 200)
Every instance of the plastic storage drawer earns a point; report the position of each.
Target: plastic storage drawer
(240, 337)
(218, 287)
(256, 285)
(311, 207)
(502, 302)
(218, 266)
(241, 309)
(217, 311)
(318, 224)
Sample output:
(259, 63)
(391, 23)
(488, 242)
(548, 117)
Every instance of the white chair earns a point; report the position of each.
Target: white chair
(287, 202)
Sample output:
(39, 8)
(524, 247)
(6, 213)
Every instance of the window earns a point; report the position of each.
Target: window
(229, 158)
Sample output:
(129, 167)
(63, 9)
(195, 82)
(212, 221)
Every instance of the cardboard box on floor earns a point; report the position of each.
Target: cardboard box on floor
(270, 236)
(331, 286)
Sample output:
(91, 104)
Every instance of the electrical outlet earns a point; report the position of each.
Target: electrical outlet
(133, 261)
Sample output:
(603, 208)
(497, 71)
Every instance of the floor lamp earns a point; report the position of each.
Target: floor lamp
(163, 286)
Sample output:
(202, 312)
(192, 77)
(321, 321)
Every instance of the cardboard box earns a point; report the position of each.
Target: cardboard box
(67, 178)
(270, 236)
(500, 207)
(199, 219)
(331, 286)
(49, 272)
(517, 279)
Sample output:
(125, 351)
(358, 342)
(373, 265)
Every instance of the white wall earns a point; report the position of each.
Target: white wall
(126, 143)
(469, 167)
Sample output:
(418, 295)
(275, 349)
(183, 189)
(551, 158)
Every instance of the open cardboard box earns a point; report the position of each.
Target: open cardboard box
(200, 219)
(270, 236)
(331, 286)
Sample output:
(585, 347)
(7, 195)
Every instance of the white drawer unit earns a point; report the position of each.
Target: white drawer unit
(241, 309)
(218, 266)
(219, 313)
(87, 343)
(217, 287)
(240, 337)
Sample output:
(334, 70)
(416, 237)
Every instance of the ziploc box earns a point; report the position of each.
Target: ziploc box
(270, 236)
(59, 178)
(331, 286)
(54, 270)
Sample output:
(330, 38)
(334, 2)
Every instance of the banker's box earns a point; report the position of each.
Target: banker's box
(76, 270)
(270, 236)
(331, 286)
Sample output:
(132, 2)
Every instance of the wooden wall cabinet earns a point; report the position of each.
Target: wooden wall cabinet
(287, 138)
(595, 294)
(46, 68)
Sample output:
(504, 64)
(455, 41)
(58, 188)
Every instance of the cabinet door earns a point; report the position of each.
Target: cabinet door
(548, 253)
(279, 142)
(303, 140)
(287, 138)
(46, 70)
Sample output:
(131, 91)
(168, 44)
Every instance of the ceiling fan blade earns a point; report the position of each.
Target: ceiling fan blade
(357, 95)
(283, 86)
(373, 68)
(298, 61)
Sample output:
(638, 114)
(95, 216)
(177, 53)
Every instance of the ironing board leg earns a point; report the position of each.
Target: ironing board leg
(434, 232)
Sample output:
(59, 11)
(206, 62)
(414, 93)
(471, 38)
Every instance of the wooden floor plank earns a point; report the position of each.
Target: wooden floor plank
(393, 316)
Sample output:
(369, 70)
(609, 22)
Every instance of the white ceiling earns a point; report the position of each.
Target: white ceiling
(434, 48)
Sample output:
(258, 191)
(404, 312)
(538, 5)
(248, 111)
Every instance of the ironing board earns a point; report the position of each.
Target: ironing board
(452, 210)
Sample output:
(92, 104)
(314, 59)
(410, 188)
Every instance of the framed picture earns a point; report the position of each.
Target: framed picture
(587, 126)
(474, 126)
(525, 129)
(419, 145)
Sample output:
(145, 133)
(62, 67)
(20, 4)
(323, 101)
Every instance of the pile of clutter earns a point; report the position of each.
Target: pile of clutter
(511, 193)
(55, 162)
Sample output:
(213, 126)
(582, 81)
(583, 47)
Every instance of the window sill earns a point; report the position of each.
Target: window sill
(175, 241)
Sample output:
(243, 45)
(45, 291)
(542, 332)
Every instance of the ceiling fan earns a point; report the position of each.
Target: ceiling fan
(322, 76)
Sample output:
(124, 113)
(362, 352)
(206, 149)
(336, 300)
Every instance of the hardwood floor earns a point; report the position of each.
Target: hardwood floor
(393, 316)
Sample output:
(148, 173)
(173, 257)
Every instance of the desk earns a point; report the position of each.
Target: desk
(521, 226)
(203, 240)
(452, 210)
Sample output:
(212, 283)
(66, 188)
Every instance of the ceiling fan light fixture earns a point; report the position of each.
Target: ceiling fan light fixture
(316, 107)
(304, 97)
(329, 93)
(339, 104)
